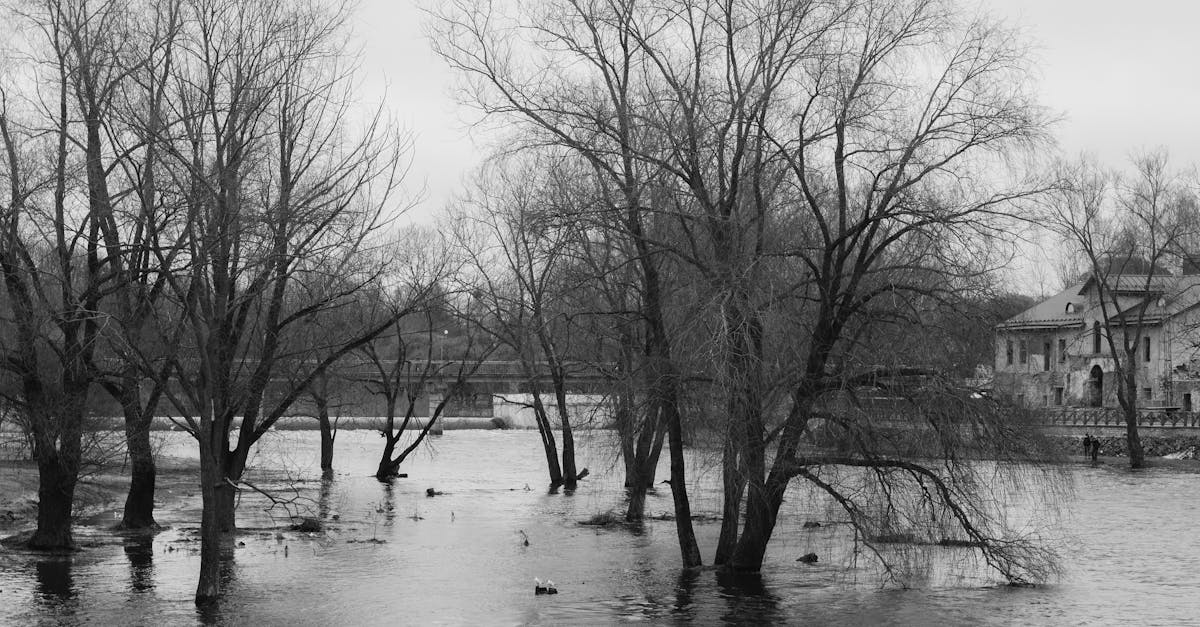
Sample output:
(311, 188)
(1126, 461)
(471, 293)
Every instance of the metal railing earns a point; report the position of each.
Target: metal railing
(1114, 417)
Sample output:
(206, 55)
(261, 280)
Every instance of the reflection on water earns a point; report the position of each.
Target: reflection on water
(324, 497)
(54, 578)
(390, 554)
(683, 593)
(139, 550)
(748, 599)
(387, 507)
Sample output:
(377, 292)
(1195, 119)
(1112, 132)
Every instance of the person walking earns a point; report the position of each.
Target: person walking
(1087, 444)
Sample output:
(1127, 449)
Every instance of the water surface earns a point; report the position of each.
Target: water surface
(394, 556)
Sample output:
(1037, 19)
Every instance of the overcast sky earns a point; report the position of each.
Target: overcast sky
(1122, 74)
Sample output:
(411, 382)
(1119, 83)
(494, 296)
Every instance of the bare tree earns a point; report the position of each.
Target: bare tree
(1128, 231)
(814, 159)
(592, 110)
(400, 365)
(607, 302)
(281, 193)
(323, 398)
(518, 260)
(56, 258)
(402, 379)
(120, 56)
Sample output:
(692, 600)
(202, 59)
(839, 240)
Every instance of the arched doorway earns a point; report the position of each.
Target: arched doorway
(1096, 387)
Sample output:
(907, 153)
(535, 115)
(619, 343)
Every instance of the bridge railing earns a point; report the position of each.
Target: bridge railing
(1114, 417)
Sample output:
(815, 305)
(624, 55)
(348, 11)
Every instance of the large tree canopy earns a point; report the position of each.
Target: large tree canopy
(828, 171)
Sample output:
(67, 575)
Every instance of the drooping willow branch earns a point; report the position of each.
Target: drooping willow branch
(999, 553)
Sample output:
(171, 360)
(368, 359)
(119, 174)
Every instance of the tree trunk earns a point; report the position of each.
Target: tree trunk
(1127, 396)
(734, 485)
(58, 460)
(623, 421)
(688, 548)
(57, 476)
(1137, 456)
(226, 502)
(569, 472)
(143, 472)
(645, 467)
(764, 497)
(386, 469)
(327, 436)
(548, 443)
(208, 589)
(635, 512)
(326, 450)
(743, 373)
(763, 500)
(665, 390)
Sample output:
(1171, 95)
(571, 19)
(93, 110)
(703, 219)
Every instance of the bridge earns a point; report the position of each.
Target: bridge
(1151, 417)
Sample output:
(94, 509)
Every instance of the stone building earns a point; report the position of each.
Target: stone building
(1056, 353)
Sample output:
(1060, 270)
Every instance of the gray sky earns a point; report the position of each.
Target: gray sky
(1122, 74)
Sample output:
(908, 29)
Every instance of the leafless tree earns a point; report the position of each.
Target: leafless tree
(518, 244)
(400, 365)
(281, 192)
(78, 230)
(593, 110)
(813, 159)
(120, 55)
(1128, 231)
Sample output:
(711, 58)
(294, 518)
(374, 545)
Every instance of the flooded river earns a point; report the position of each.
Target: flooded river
(392, 555)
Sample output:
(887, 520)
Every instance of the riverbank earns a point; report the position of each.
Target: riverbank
(1185, 447)
(99, 495)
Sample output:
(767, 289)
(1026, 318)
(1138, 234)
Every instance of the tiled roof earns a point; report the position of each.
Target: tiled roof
(1137, 283)
(1169, 295)
(1183, 293)
(1051, 312)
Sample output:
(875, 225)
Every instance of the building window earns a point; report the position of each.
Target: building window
(1146, 348)
(1058, 396)
(1187, 402)
(1062, 351)
(1046, 355)
(1008, 352)
(1096, 337)
(1020, 400)
(1024, 352)
(1147, 393)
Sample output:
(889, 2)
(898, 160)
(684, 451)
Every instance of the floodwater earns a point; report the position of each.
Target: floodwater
(393, 555)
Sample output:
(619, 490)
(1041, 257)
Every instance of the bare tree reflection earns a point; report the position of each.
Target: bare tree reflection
(750, 601)
(221, 610)
(139, 549)
(388, 507)
(324, 497)
(54, 578)
(685, 594)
